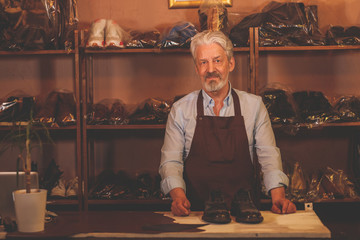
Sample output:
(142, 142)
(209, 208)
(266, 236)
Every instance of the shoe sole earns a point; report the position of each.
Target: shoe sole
(225, 221)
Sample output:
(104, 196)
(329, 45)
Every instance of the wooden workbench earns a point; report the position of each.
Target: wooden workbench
(146, 225)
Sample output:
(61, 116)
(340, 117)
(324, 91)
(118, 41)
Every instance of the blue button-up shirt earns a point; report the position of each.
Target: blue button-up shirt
(180, 130)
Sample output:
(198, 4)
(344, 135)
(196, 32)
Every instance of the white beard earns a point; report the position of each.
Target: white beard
(214, 86)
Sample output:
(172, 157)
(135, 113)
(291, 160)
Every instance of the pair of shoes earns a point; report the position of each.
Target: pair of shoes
(58, 109)
(243, 208)
(216, 210)
(68, 190)
(106, 33)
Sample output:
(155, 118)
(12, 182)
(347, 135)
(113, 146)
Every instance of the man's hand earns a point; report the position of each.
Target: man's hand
(180, 205)
(280, 204)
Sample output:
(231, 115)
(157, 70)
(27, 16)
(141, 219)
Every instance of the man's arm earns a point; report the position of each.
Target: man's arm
(171, 166)
(270, 160)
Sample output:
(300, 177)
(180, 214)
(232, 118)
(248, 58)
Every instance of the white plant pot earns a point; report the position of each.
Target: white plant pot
(30, 209)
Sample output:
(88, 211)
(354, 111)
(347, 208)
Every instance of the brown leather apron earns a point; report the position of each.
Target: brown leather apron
(219, 157)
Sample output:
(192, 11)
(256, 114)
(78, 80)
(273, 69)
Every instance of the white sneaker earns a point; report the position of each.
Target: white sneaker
(115, 36)
(97, 34)
(72, 188)
(59, 189)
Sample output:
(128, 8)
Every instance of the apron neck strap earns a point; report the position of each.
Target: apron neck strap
(200, 103)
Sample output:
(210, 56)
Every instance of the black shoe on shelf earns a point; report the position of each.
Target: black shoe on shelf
(243, 208)
(216, 210)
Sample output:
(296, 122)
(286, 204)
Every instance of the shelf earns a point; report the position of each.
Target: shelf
(129, 201)
(49, 69)
(111, 127)
(149, 50)
(345, 200)
(275, 126)
(319, 126)
(51, 201)
(310, 48)
(36, 52)
(10, 127)
(343, 124)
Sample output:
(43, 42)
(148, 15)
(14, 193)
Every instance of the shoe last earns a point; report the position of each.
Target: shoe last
(97, 34)
(115, 36)
(243, 208)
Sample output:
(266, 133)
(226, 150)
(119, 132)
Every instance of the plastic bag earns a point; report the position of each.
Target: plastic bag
(108, 111)
(106, 33)
(179, 36)
(314, 193)
(115, 36)
(298, 183)
(112, 186)
(348, 108)
(331, 184)
(68, 22)
(99, 114)
(59, 109)
(17, 107)
(96, 38)
(279, 104)
(281, 24)
(37, 24)
(121, 186)
(314, 107)
(66, 108)
(213, 16)
(336, 183)
(148, 39)
(118, 114)
(47, 112)
(338, 35)
(151, 111)
(291, 24)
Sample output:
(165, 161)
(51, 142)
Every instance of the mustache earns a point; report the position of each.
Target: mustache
(212, 74)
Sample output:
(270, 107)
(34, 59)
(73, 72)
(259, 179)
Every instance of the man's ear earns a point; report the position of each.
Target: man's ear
(232, 64)
(196, 68)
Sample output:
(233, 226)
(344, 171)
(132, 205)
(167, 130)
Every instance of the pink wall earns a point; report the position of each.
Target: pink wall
(148, 14)
(333, 73)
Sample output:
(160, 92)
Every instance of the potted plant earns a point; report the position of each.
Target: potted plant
(30, 204)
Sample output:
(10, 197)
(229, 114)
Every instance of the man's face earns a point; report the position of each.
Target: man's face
(213, 66)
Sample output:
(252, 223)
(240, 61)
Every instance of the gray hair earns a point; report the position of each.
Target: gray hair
(209, 37)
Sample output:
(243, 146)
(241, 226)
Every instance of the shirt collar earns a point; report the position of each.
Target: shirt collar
(209, 102)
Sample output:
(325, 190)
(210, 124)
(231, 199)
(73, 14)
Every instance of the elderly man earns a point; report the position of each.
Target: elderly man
(210, 139)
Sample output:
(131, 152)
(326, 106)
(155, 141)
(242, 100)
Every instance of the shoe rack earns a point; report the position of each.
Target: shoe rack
(314, 147)
(56, 69)
(100, 147)
(138, 146)
(331, 144)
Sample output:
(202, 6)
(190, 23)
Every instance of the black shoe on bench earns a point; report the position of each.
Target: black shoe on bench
(243, 208)
(216, 210)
